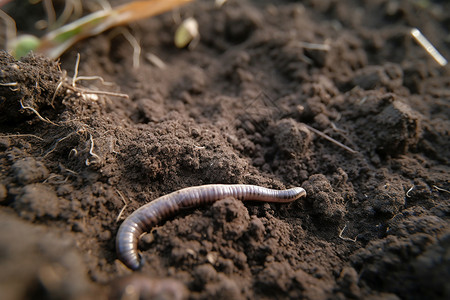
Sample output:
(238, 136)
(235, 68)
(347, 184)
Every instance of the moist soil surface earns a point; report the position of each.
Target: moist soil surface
(250, 103)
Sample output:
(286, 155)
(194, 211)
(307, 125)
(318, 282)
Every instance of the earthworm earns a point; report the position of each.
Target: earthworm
(147, 216)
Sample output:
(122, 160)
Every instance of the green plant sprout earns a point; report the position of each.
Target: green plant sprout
(56, 42)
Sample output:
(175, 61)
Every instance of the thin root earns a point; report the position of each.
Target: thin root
(64, 169)
(407, 193)
(88, 91)
(133, 42)
(91, 152)
(95, 77)
(441, 189)
(75, 72)
(50, 11)
(156, 61)
(136, 48)
(335, 128)
(56, 176)
(123, 208)
(346, 238)
(57, 142)
(73, 153)
(56, 90)
(35, 111)
(22, 135)
(69, 7)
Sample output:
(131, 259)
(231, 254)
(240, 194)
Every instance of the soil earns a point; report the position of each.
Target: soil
(239, 107)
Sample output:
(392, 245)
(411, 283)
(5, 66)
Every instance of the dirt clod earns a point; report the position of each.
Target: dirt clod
(29, 170)
(326, 203)
(37, 200)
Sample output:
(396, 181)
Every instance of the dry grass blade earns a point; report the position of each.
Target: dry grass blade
(138, 10)
(56, 42)
(320, 133)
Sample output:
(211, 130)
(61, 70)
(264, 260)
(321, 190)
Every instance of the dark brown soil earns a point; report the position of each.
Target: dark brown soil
(238, 108)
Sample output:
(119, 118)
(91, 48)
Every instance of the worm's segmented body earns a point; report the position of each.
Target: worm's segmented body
(147, 216)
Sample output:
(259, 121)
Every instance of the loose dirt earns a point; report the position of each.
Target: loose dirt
(237, 108)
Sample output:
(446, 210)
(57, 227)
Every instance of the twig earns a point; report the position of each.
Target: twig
(346, 238)
(9, 84)
(320, 133)
(425, 43)
(312, 46)
(35, 111)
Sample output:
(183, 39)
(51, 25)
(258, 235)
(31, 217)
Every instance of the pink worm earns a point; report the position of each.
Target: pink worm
(147, 216)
